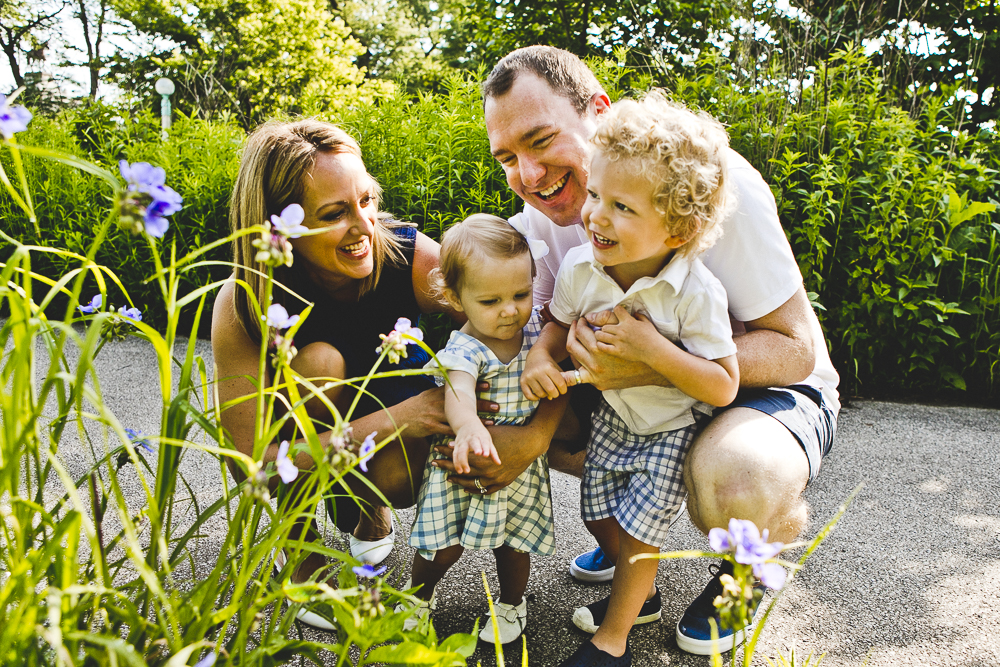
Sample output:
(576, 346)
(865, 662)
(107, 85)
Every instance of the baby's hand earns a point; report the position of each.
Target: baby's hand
(542, 378)
(630, 338)
(476, 438)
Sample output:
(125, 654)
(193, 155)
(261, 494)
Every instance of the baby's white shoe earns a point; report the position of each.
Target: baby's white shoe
(511, 620)
(423, 613)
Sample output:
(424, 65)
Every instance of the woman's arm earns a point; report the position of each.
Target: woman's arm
(236, 365)
(426, 258)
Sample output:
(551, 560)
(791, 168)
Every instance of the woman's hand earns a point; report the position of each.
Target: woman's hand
(518, 446)
(422, 414)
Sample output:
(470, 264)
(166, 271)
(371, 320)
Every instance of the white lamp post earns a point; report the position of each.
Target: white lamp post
(165, 87)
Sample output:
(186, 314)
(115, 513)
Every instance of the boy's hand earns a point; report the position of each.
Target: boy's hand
(542, 377)
(631, 338)
(477, 439)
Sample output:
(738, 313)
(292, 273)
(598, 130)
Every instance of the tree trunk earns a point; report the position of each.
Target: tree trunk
(8, 41)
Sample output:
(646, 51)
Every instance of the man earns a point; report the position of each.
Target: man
(755, 458)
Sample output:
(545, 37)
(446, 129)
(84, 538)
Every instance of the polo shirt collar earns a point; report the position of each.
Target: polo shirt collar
(674, 273)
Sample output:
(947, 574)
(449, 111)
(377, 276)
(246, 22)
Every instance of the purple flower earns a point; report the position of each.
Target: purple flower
(142, 176)
(289, 223)
(286, 469)
(403, 326)
(93, 306)
(394, 343)
(367, 451)
(278, 318)
(130, 313)
(147, 201)
(750, 548)
(12, 119)
(367, 570)
(139, 440)
(207, 661)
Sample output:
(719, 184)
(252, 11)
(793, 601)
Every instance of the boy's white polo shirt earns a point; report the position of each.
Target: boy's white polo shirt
(684, 301)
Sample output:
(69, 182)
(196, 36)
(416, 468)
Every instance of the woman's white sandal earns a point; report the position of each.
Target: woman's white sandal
(376, 551)
(310, 618)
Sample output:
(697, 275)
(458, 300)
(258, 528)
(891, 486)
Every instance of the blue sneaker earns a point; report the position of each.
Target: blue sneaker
(592, 567)
(694, 635)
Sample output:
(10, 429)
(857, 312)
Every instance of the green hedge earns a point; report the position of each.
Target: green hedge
(903, 266)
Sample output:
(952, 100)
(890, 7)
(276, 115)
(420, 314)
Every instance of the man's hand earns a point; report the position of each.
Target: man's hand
(517, 446)
(601, 368)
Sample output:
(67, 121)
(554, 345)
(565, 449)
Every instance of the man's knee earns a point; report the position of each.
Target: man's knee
(747, 465)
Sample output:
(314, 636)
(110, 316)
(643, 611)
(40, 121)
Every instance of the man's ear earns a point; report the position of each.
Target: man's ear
(452, 298)
(600, 102)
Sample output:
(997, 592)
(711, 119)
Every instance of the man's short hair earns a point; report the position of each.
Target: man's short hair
(565, 72)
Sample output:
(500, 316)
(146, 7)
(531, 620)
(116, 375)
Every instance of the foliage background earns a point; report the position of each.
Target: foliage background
(873, 124)
(879, 203)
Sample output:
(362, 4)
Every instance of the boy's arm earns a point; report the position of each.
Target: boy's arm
(636, 339)
(542, 377)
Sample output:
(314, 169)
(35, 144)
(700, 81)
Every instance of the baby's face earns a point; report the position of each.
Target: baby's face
(628, 235)
(496, 296)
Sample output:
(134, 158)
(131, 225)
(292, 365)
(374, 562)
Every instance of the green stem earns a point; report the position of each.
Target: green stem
(16, 154)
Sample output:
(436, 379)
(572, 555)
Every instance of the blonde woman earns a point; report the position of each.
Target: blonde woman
(362, 273)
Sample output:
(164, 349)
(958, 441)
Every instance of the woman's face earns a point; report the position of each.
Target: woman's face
(339, 197)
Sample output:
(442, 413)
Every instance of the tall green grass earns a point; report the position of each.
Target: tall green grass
(94, 571)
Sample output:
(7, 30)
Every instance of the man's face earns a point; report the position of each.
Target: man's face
(542, 142)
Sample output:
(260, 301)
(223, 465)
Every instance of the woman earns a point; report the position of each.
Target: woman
(362, 274)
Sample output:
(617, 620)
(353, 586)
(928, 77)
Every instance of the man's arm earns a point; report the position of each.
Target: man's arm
(779, 349)
(518, 446)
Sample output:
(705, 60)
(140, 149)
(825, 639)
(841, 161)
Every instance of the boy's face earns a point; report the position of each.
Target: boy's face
(628, 235)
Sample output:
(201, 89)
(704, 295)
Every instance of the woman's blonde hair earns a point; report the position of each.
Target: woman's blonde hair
(682, 153)
(478, 235)
(275, 161)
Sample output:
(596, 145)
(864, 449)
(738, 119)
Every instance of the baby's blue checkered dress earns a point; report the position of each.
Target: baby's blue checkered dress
(519, 515)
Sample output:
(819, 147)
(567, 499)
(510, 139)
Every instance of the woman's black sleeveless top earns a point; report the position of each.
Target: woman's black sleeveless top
(353, 327)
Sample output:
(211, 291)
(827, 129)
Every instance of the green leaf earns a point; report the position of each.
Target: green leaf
(461, 643)
(954, 378)
(411, 653)
(949, 330)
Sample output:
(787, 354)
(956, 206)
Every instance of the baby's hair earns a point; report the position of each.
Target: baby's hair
(682, 153)
(478, 235)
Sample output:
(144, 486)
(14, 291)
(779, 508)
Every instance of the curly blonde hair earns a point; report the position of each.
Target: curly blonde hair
(682, 153)
(478, 235)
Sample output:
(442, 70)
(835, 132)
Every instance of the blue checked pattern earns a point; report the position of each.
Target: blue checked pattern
(637, 479)
(519, 515)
